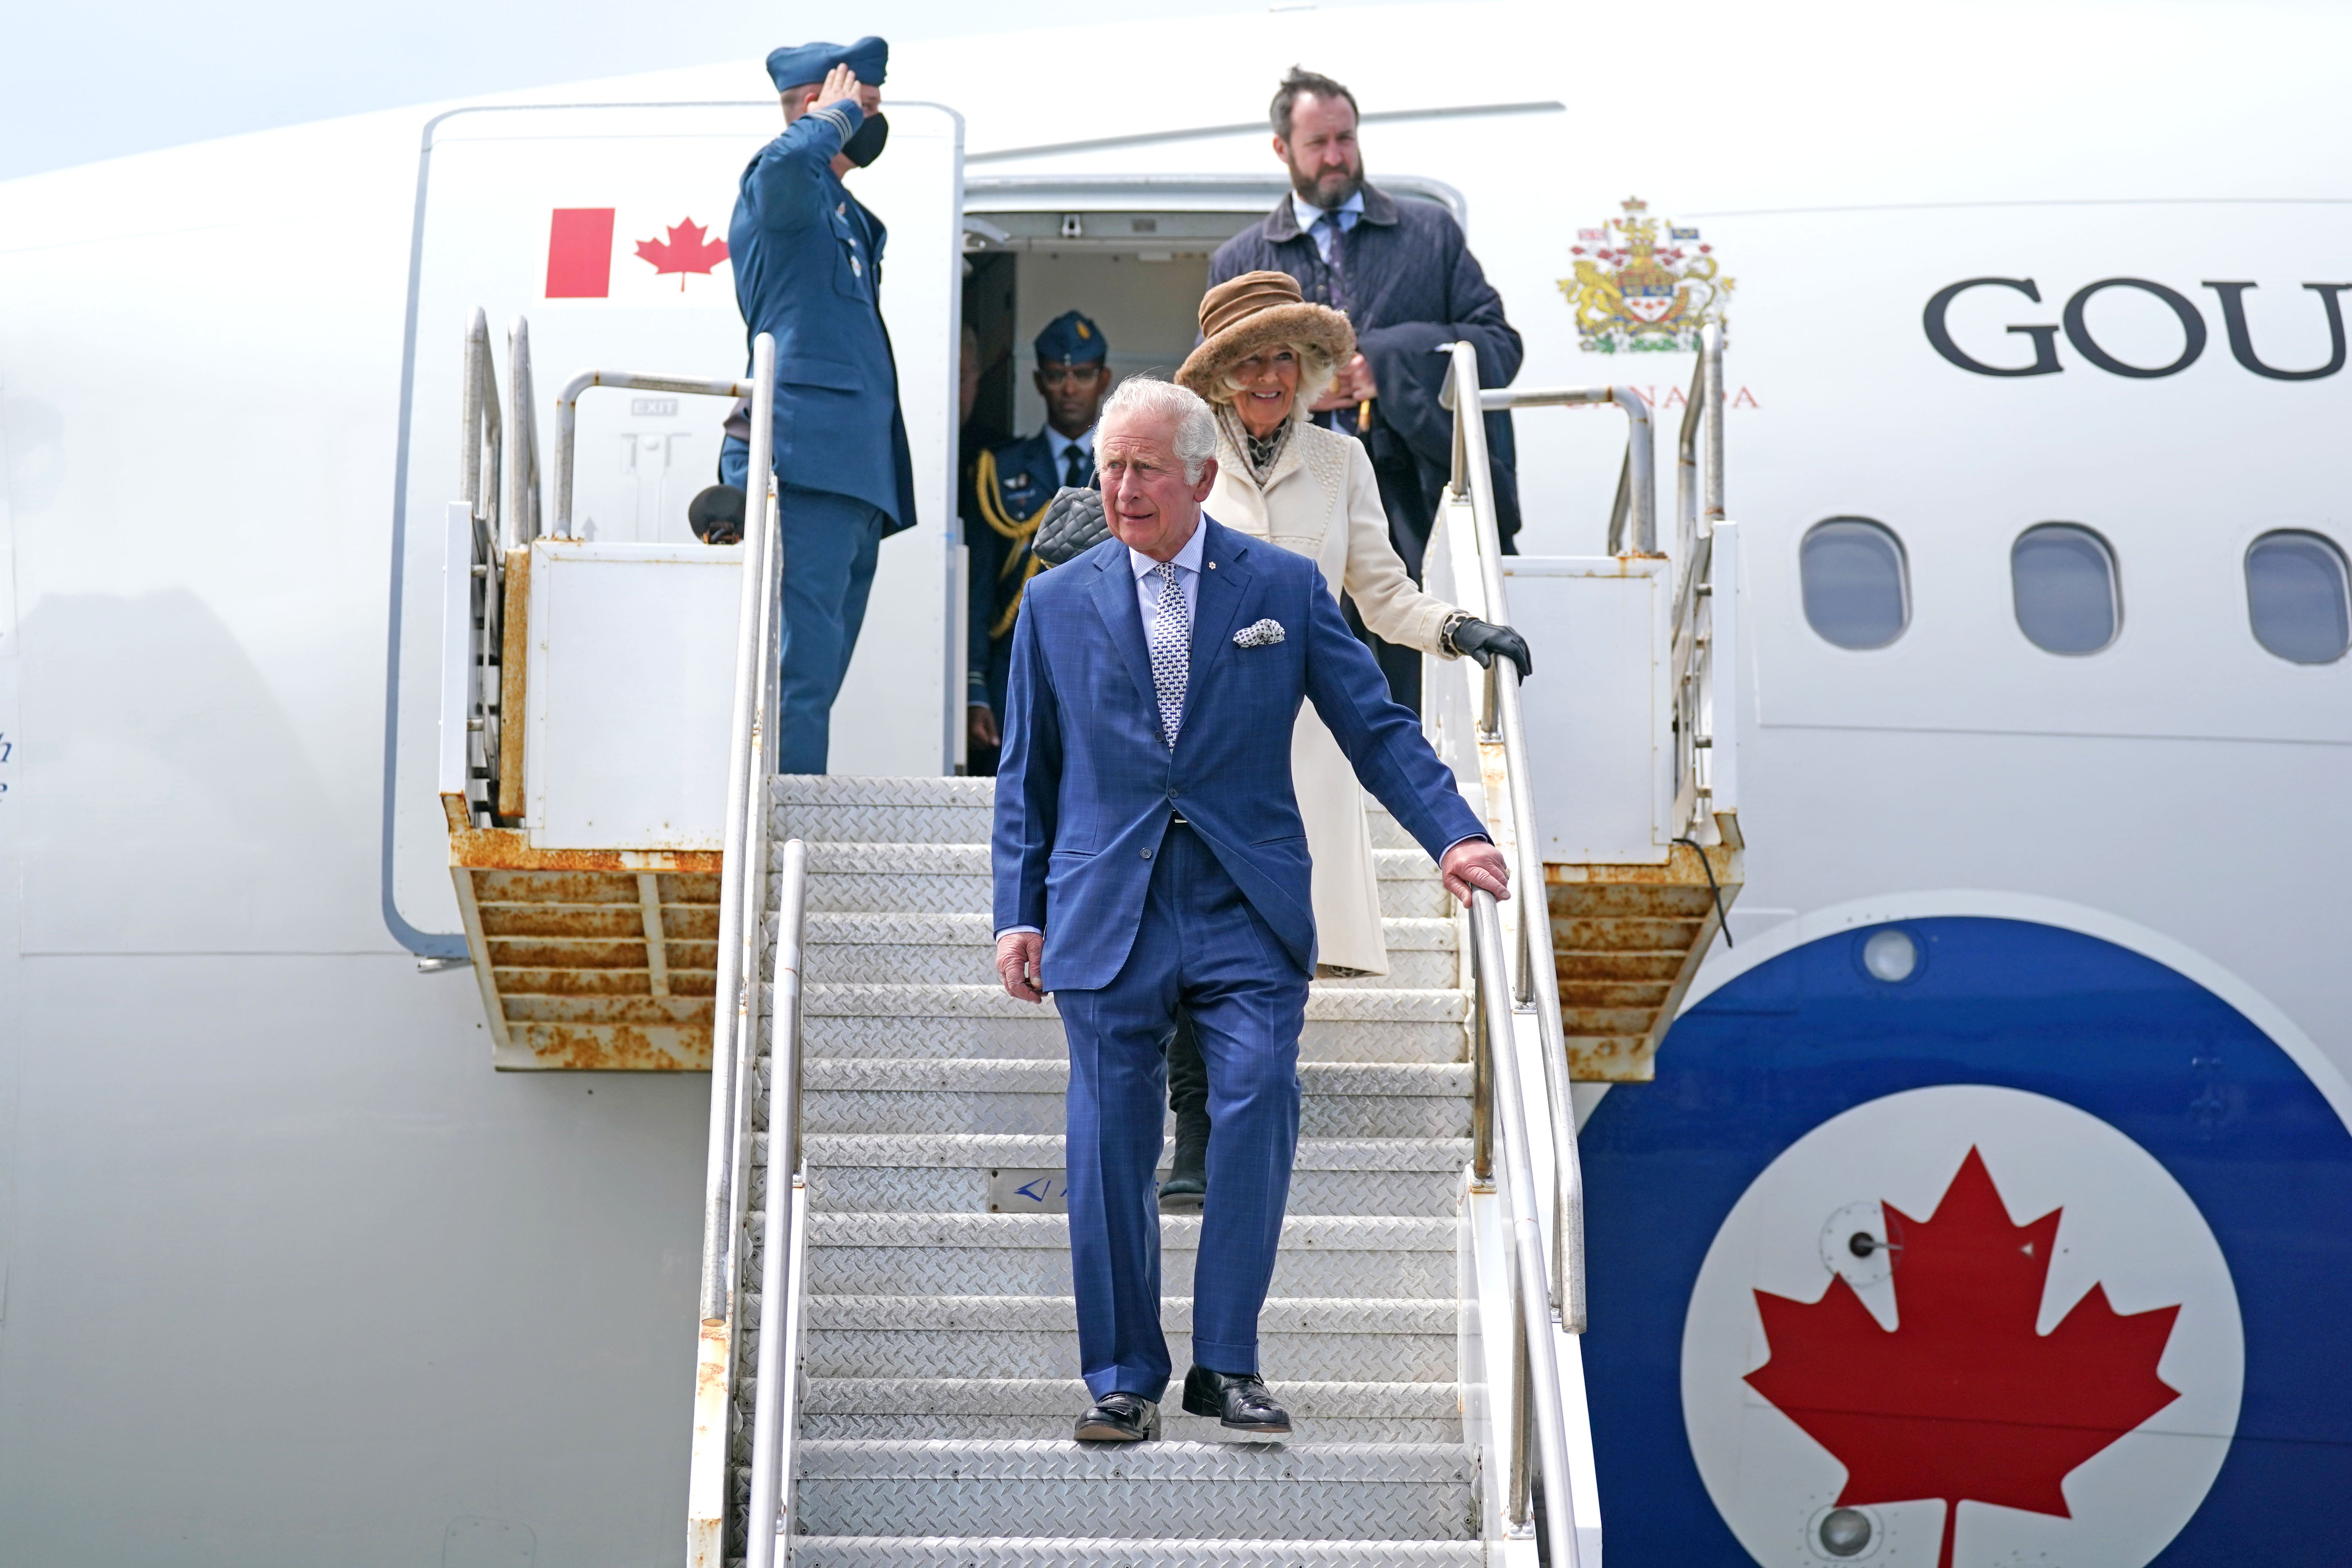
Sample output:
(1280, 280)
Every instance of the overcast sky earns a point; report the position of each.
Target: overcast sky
(85, 80)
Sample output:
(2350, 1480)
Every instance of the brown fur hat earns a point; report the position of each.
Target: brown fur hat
(1254, 313)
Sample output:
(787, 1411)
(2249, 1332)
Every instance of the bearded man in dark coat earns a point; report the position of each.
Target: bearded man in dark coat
(1404, 276)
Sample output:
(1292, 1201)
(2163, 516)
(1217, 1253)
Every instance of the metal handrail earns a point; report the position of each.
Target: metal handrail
(1637, 483)
(1536, 1401)
(1698, 512)
(736, 1005)
(1699, 478)
(1537, 985)
(520, 517)
(567, 409)
(483, 437)
(480, 426)
(1545, 1290)
(776, 1383)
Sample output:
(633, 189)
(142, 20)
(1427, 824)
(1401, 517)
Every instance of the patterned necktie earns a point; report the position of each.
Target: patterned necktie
(1335, 258)
(1172, 650)
(1076, 469)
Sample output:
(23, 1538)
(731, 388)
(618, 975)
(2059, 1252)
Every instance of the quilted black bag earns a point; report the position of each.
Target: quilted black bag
(1073, 524)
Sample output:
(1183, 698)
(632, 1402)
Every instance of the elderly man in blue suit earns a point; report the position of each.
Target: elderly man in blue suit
(1149, 856)
(808, 268)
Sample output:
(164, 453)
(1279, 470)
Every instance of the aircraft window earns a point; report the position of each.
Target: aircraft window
(1857, 589)
(2063, 576)
(2296, 596)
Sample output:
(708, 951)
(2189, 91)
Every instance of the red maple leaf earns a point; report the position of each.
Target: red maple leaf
(684, 251)
(1963, 1402)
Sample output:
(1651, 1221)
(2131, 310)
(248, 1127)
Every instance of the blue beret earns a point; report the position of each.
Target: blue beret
(797, 65)
(1071, 339)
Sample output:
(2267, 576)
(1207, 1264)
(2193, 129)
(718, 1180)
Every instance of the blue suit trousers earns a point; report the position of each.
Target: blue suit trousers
(831, 545)
(1202, 947)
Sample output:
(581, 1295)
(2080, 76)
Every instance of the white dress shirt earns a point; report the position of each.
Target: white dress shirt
(1060, 444)
(1310, 214)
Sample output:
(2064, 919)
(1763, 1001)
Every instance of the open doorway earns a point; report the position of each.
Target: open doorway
(1138, 274)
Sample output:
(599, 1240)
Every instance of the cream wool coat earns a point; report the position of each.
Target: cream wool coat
(1321, 501)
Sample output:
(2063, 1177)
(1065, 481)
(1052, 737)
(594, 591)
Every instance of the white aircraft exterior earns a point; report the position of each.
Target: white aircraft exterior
(288, 1274)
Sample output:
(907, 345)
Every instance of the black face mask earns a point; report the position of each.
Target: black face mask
(866, 145)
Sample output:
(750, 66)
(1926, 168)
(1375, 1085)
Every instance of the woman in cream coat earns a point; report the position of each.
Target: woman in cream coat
(1265, 356)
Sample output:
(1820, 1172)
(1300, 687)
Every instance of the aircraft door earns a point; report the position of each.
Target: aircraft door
(605, 226)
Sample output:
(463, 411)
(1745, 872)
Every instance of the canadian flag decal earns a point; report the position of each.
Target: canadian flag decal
(580, 253)
(684, 251)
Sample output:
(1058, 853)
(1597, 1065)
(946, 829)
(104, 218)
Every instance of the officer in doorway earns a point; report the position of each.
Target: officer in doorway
(808, 268)
(1014, 483)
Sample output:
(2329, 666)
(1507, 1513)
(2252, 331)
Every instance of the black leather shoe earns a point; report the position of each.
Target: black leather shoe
(1187, 1187)
(1120, 1418)
(1239, 1402)
(1183, 1194)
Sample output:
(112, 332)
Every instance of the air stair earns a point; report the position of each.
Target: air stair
(887, 1370)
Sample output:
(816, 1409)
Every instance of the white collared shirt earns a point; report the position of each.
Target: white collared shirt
(1060, 444)
(1310, 214)
(1187, 562)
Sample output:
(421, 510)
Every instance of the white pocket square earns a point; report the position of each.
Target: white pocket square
(1262, 634)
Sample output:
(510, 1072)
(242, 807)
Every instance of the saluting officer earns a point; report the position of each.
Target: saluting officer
(808, 268)
(1014, 482)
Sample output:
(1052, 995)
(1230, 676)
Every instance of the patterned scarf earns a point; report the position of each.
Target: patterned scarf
(1259, 456)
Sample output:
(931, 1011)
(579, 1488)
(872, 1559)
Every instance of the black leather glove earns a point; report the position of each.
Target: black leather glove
(716, 515)
(1073, 524)
(1482, 640)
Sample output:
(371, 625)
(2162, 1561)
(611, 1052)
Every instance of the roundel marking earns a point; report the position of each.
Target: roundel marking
(2231, 1114)
(2035, 1354)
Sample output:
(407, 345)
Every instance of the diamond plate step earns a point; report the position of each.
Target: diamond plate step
(1343, 1099)
(930, 1173)
(1309, 1492)
(900, 949)
(1037, 1036)
(1043, 1409)
(1037, 1337)
(1324, 1004)
(881, 789)
(933, 1552)
(955, 878)
(1029, 1255)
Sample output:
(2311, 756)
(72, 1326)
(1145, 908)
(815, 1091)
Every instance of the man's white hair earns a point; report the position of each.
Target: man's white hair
(1196, 426)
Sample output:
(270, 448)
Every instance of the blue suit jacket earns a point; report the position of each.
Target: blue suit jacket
(1087, 787)
(808, 268)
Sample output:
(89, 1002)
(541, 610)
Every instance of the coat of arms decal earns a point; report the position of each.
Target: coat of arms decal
(1642, 285)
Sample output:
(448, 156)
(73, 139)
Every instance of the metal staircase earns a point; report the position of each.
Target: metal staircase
(941, 1346)
(888, 1346)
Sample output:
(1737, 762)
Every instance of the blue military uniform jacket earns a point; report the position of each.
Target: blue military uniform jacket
(1012, 482)
(808, 268)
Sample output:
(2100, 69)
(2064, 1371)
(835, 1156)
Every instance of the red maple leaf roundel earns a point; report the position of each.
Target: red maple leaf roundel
(1963, 1402)
(684, 251)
